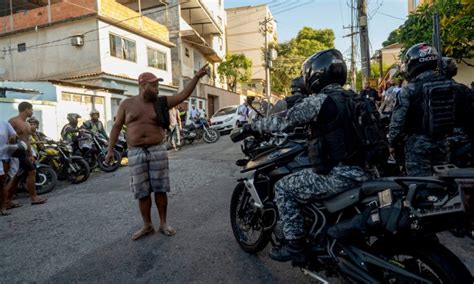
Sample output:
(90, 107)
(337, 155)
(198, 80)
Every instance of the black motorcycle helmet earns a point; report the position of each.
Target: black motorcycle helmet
(34, 120)
(419, 58)
(73, 118)
(324, 68)
(297, 86)
(450, 68)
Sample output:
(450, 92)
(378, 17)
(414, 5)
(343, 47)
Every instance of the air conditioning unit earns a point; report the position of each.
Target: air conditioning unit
(77, 40)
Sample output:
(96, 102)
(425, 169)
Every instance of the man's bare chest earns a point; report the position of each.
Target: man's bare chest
(140, 113)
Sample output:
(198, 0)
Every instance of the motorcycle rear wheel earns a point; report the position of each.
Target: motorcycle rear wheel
(46, 180)
(241, 212)
(429, 259)
(109, 168)
(82, 173)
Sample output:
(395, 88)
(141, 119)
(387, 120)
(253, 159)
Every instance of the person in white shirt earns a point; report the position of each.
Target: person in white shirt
(243, 113)
(7, 137)
(175, 126)
(195, 113)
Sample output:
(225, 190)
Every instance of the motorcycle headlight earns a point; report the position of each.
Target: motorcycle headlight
(68, 148)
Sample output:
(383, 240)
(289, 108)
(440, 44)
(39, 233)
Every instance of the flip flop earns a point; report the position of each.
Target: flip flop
(5, 213)
(13, 206)
(143, 232)
(168, 231)
(42, 201)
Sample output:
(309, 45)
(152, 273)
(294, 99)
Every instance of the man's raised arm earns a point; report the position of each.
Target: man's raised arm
(188, 90)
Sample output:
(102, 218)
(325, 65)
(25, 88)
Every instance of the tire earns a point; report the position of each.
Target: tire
(211, 136)
(109, 168)
(239, 196)
(46, 179)
(83, 173)
(446, 266)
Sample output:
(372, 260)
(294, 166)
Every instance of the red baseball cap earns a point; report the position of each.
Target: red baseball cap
(148, 77)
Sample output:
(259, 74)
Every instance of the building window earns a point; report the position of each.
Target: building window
(415, 3)
(156, 59)
(66, 97)
(123, 48)
(186, 52)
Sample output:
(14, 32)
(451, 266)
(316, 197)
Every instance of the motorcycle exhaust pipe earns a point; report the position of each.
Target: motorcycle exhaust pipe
(314, 276)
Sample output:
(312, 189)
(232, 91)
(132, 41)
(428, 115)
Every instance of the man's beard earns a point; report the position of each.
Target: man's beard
(151, 97)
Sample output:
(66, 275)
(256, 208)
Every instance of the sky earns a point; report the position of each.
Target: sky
(384, 17)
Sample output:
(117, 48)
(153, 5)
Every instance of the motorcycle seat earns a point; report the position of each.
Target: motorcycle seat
(374, 186)
(342, 200)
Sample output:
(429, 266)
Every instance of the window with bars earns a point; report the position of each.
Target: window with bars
(156, 58)
(122, 48)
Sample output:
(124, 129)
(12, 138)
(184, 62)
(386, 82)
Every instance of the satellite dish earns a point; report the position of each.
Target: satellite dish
(2, 71)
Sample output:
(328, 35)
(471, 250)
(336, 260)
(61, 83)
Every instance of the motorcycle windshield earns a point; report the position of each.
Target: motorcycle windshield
(279, 109)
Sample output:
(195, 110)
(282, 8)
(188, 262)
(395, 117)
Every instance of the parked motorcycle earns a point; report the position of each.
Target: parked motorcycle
(381, 232)
(93, 148)
(46, 179)
(59, 156)
(197, 130)
(121, 145)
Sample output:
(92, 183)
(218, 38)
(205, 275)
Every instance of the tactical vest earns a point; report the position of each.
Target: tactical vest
(432, 107)
(332, 135)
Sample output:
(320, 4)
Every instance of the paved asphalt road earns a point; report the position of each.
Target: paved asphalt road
(83, 233)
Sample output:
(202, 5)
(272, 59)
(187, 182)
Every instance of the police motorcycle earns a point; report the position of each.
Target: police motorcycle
(381, 232)
(59, 156)
(197, 129)
(93, 148)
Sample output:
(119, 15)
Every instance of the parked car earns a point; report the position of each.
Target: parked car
(225, 119)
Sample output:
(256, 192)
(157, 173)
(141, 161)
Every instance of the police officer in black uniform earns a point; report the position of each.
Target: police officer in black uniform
(298, 92)
(339, 164)
(426, 112)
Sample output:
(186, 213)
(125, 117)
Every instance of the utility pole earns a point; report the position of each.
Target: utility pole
(267, 57)
(352, 34)
(364, 39)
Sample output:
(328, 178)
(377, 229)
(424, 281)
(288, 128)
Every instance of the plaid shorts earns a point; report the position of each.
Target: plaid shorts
(149, 171)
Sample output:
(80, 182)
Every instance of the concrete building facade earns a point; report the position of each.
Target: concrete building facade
(197, 29)
(244, 36)
(102, 43)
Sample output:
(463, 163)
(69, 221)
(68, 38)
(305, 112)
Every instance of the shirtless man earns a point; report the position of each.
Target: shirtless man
(27, 162)
(147, 154)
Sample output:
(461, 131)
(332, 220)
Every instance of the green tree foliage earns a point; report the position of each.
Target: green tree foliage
(374, 72)
(292, 53)
(393, 37)
(236, 68)
(456, 28)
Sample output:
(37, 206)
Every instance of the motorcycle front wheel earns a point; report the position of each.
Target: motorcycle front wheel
(247, 222)
(46, 180)
(428, 259)
(81, 171)
(211, 135)
(112, 167)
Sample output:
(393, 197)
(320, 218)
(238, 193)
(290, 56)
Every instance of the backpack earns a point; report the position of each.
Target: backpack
(365, 122)
(438, 104)
(369, 128)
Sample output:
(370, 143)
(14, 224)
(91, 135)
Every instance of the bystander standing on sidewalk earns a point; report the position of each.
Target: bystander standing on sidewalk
(175, 126)
(27, 161)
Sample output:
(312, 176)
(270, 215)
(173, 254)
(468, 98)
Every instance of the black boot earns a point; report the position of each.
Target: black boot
(292, 250)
